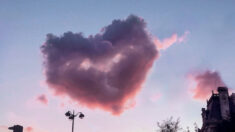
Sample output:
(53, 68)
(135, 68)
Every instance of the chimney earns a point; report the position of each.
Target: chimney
(224, 102)
(222, 89)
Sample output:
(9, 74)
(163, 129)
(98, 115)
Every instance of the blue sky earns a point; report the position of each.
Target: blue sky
(23, 28)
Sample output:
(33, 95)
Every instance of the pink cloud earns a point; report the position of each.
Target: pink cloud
(183, 37)
(204, 83)
(29, 129)
(42, 99)
(62, 105)
(102, 71)
(130, 104)
(105, 70)
(167, 42)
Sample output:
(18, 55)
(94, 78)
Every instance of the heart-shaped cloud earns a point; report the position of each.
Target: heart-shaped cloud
(105, 70)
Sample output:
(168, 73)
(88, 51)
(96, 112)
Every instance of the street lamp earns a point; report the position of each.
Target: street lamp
(72, 116)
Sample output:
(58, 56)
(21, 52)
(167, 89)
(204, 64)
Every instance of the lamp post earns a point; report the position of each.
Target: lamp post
(16, 128)
(72, 116)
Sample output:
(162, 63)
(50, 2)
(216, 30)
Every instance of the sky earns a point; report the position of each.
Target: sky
(192, 43)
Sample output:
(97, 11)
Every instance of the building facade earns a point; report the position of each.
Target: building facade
(220, 112)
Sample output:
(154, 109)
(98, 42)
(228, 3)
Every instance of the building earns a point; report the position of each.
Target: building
(16, 128)
(219, 116)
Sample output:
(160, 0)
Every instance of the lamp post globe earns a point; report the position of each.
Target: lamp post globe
(71, 116)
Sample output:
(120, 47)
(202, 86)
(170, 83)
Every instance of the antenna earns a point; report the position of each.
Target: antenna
(216, 83)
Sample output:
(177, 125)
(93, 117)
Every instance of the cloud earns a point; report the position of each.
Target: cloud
(29, 129)
(42, 99)
(105, 70)
(205, 82)
(167, 42)
(183, 38)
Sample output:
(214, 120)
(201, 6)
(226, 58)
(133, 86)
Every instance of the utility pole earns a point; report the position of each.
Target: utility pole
(72, 116)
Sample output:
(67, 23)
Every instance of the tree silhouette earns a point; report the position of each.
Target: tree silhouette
(169, 125)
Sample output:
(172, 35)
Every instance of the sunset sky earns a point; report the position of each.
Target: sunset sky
(182, 50)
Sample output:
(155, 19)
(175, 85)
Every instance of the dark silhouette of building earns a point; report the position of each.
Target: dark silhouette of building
(16, 128)
(219, 115)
